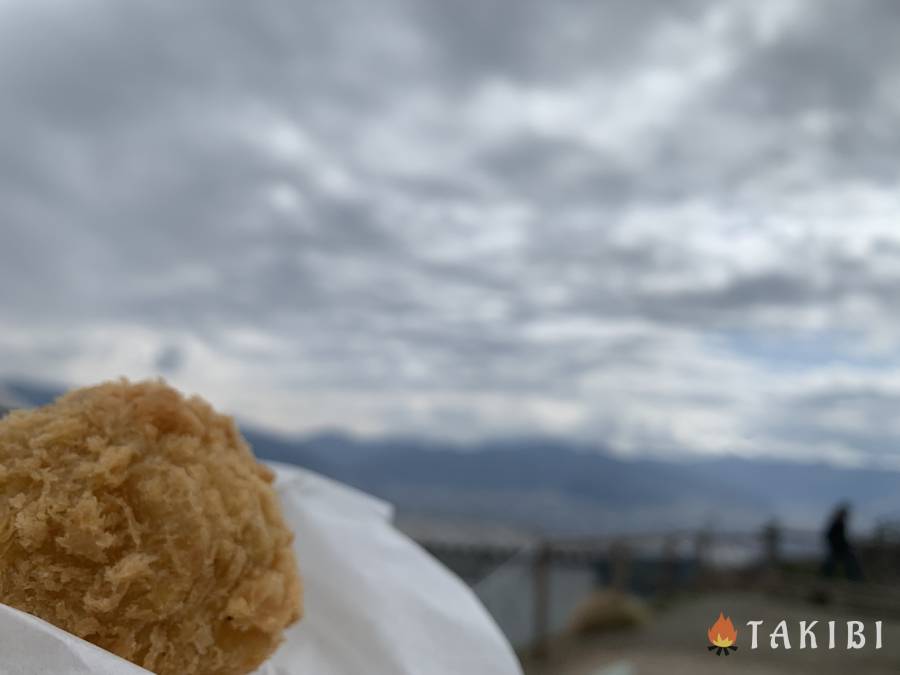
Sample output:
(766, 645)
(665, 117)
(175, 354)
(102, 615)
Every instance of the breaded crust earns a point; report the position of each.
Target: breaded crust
(139, 520)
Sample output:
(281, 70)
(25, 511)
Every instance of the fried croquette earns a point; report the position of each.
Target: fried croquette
(140, 520)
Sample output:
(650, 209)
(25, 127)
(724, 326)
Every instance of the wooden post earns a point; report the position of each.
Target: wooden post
(620, 561)
(541, 642)
(668, 574)
(702, 547)
(771, 536)
(771, 541)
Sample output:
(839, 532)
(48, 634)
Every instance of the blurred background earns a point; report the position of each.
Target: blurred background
(601, 295)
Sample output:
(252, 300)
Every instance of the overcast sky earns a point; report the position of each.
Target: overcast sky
(668, 227)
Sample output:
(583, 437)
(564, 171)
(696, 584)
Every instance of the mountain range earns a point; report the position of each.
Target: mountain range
(557, 486)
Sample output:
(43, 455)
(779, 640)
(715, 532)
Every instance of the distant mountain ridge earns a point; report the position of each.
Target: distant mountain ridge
(559, 487)
(556, 486)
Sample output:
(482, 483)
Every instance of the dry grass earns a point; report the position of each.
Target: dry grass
(607, 610)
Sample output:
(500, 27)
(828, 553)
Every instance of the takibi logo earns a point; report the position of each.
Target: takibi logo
(722, 635)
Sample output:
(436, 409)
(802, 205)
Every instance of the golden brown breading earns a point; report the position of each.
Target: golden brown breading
(139, 520)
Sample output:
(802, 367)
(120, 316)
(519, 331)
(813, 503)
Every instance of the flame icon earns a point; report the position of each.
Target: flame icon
(722, 635)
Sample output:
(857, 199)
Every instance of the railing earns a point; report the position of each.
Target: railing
(532, 590)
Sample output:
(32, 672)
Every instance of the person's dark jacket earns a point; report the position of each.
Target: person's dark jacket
(837, 536)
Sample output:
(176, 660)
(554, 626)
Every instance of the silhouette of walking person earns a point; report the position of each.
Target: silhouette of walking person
(840, 552)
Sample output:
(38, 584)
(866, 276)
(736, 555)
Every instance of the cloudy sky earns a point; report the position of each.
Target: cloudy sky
(670, 227)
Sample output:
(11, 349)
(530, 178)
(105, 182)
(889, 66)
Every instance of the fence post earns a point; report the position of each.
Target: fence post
(541, 572)
(703, 544)
(620, 562)
(668, 578)
(771, 536)
(771, 541)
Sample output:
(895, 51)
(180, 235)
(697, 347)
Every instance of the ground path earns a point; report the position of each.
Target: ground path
(674, 643)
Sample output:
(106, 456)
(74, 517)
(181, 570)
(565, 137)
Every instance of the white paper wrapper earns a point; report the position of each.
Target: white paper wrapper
(29, 646)
(374, 603)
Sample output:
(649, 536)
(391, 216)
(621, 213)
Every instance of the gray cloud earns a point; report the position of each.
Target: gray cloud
(667, 226)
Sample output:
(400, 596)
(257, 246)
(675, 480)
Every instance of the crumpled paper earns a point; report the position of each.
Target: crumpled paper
(375, 603)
